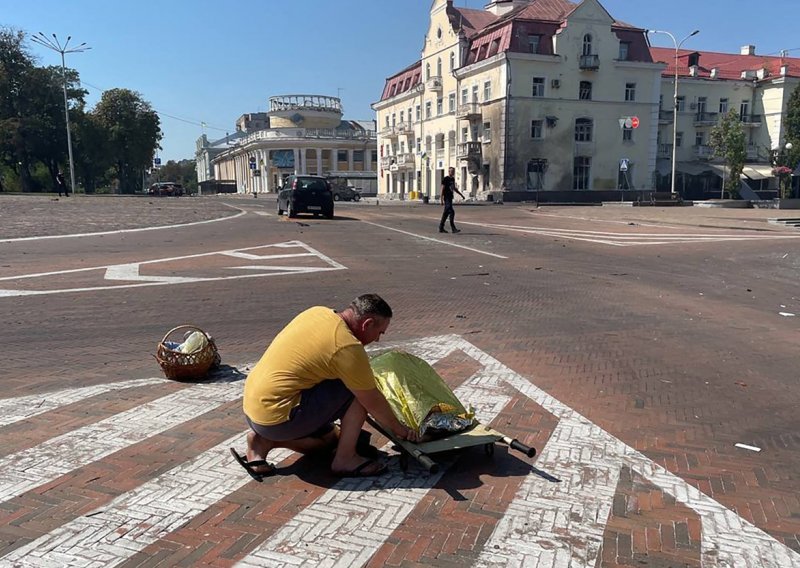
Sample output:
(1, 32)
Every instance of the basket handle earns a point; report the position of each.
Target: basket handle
(174, 329)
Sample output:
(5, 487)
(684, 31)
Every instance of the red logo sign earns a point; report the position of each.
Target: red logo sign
(634, 122)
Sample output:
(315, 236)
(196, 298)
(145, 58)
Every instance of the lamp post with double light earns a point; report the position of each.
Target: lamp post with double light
(674, 102)
(63, 49)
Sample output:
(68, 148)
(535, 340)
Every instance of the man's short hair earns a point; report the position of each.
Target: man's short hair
(373, 305)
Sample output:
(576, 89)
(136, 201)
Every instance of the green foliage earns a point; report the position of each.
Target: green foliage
(793, 128)
(183, 172)
(728, 143)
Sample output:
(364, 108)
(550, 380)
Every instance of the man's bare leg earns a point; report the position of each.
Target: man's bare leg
(346, 458)
(258, 447)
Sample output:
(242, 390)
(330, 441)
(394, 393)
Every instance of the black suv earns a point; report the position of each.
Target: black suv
(306, 194)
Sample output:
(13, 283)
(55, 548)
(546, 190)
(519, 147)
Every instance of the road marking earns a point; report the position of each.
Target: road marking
(130, 272)
(546, 524)
(629, 239)
(28, 469)
(24, 407)
(436, 240)
(119, 231)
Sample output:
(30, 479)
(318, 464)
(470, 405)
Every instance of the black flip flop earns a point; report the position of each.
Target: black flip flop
(359, 471)
(249, 465)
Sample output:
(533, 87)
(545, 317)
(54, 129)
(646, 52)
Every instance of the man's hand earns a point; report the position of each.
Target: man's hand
(405, 433)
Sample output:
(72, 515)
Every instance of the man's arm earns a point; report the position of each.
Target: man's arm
(376, 405)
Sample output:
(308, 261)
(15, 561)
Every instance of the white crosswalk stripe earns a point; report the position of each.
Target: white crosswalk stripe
(546, 524)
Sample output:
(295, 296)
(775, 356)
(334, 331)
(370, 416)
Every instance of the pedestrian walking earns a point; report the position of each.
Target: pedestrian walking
(61, 185)
(448, 189)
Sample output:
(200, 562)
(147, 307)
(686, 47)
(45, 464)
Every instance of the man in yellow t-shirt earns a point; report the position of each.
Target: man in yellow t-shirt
(316, 371)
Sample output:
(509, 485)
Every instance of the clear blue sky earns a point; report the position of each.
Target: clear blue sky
(212, 61)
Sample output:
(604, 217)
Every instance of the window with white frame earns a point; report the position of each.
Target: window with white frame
(624, 50)
(699, 138)
(464, 96)
(583, 129)
(439, 67)
(487, 132)
(585, 91)
(581, 172)
(427, 109)
(587, 45)
(681, 103)
(452, 61)
(402, 116)
(538, 87)
(419, 113)
(533, 43)
(451, 103)
(723, 106)
(394, 119)
(536, 129)
(630, 91)
(487, 90)
(439, 106)
(474, 93)
(387, 121)
(464, 134)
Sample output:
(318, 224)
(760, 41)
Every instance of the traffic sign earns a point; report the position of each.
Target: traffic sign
(634, 122)
(623, 165)
(252, 159)
(629, 122)
(156, 161)
(252, 165)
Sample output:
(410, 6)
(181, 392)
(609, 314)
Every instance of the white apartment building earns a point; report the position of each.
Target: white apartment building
(302, 134)
(534, 96)
(520, 97)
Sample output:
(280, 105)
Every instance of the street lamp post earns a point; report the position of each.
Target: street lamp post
(674, 102)
(56, 46)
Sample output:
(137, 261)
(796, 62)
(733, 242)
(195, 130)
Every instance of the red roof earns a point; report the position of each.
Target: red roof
(470, 21)
(728, 65)
(403, 82)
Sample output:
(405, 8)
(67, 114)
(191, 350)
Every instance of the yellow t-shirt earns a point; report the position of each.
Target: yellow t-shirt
(315, 346)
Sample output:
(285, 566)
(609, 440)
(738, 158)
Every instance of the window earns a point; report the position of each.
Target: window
(701, 106)
(427, 109)
(699, 139)
(427, 71)
(419, 143)
(464, 134)
(587, 45)
(536, 129)
(439, 67)
(494, 47)
(487, 90)
(585, 93)
(744, 110)
(394, 119)
(681, 103)
(536, 169)
(393, 90)
(630, 91)
(402, 116)
(464, 96)
(624, 50)
(452, 61)
(341, 155)
(723, 106)
(387, 121)
(581, 170)
(533, 43)
(439, 106)
(583, 129)
(678, 139)
(487, 132)
(419, 113)
(358, 155)
(627, 134)
(474, 93)
(538, 87)
(451, 103)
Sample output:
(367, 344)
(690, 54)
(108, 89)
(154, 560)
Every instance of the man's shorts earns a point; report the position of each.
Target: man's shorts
(319, 407)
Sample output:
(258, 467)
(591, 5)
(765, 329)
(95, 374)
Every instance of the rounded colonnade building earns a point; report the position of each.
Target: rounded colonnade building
(304, 135)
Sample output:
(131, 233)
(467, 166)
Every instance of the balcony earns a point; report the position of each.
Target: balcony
(469, 151)
(705, 118)
(664, 151)
(405, 161)
(386, 161)
(387, 131)
(751, 119)
(434, 84)
(405, 128)
(751, 152)
(665, 116)
(589, 62)
(469, 111)
(702, 151)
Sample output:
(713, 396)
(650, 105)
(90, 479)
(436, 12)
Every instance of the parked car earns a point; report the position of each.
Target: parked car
(166, 188)
(345, 193)
(306, 194)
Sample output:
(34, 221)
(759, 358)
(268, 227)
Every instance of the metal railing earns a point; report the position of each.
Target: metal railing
(703, 151)
(468, 110)
(468, 150)
(589, 62)
(664, 151)
(705, 118)
(302, 133)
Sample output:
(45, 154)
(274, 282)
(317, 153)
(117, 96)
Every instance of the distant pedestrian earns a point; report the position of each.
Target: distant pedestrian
(448, 188)
(61, 185)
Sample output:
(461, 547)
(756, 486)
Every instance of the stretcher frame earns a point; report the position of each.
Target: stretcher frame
(476, 435)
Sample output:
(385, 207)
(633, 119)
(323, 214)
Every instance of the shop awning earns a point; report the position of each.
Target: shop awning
(694, 168)
(757, 171)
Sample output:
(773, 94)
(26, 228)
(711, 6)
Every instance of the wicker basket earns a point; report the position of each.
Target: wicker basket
(186, 366)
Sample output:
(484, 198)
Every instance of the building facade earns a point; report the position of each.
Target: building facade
(303, 134)
(522, 97)
(562, 99)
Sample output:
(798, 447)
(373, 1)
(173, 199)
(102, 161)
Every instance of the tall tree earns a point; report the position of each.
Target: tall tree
(15, 65)
(133, 130)
(93, 160)
(728, 143)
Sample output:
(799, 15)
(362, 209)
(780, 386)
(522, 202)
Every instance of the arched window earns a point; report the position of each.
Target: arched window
(427, 71)
(587, 44)
(439, 67)
(452, 61)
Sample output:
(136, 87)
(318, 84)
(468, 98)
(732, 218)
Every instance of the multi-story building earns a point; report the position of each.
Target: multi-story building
(560, 98)
(303, 134)
(710, 85)
(519, 97)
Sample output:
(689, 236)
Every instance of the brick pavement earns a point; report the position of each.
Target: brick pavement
(663, 376)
